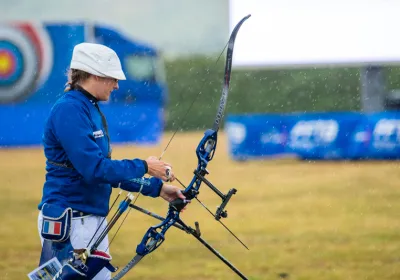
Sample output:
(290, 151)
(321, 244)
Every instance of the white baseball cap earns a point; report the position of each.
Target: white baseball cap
(98, 60)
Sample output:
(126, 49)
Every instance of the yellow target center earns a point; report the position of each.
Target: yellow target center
(5, 63)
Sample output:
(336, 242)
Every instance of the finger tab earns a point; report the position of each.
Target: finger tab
(168, 172)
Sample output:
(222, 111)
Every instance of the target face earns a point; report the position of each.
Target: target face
(25, 59)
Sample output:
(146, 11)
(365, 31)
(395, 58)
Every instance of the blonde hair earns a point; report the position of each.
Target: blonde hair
(75, 76)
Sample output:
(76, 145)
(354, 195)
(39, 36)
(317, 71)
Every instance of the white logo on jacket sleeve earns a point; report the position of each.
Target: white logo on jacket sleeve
(98, 133)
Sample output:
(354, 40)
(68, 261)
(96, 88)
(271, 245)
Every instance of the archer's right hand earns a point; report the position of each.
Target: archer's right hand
(160, 169)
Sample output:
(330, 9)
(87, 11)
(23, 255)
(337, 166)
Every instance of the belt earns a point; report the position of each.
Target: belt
(79, 214)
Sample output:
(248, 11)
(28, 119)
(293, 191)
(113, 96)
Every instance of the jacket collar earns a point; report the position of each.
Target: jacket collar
(88, 95)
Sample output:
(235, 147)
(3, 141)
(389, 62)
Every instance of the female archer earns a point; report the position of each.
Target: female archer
(80, 171)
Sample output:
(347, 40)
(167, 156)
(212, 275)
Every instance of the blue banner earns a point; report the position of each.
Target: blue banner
(315, 136)
(253, 136)
(377, 137)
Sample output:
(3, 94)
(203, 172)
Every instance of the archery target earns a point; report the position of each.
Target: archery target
(25, 61)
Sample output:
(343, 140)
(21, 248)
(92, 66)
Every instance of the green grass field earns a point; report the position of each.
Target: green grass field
(301, 220)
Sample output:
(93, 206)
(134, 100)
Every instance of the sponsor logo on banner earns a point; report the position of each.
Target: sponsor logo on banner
(386, 134)
(236, 132)
(274, 136)
(310, 134)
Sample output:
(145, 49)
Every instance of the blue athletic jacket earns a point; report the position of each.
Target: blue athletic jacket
(80, 171)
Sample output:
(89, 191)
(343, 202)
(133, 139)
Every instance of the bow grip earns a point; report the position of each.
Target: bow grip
(178, 204)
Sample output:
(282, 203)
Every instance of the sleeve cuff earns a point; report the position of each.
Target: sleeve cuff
(147, 186)
(146, 167)
(155, 187)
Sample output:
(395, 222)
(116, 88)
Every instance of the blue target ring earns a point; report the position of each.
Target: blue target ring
(17, 61)
(19, 64)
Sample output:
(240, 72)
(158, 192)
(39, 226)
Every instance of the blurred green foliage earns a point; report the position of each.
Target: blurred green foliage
(259, 90)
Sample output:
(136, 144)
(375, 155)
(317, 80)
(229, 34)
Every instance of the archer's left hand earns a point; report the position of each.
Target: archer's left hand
(170, 193)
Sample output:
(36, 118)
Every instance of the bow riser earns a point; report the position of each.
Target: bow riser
(206, 148)
(155, 235)
(151, 241)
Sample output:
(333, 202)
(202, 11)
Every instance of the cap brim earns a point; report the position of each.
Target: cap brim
(119, 75)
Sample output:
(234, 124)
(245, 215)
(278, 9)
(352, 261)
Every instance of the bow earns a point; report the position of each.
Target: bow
(205, 151)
